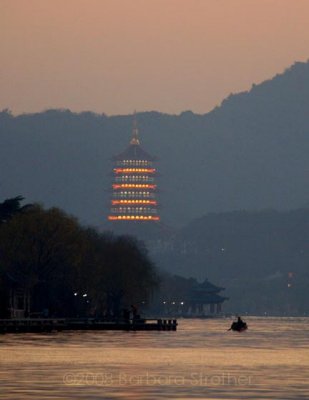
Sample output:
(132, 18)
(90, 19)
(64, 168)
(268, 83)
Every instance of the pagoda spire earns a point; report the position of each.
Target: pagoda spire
(135, 139)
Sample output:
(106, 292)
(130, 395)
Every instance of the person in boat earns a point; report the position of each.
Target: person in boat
(238, 325)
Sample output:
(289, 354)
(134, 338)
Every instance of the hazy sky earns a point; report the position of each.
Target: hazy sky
(114, 56)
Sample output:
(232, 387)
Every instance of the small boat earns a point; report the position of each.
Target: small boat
(239, 327)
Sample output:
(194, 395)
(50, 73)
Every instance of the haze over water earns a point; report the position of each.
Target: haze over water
(202, 360)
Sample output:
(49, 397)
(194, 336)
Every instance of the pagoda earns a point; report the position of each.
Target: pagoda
(134, 188)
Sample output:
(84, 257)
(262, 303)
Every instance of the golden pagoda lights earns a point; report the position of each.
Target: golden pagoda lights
(134, 188)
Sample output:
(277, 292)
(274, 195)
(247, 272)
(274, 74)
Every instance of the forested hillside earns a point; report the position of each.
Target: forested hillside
(249, 153)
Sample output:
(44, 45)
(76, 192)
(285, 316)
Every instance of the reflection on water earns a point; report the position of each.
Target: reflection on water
(202, 360)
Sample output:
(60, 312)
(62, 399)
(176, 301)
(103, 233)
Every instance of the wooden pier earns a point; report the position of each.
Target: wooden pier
(37, 325)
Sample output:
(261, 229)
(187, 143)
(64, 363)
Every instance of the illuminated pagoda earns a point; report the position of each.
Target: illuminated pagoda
(134, 188)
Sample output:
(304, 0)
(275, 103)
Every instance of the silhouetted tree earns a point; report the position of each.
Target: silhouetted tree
(51, 257)
(117, 272)
(11, 207)
(40, 248)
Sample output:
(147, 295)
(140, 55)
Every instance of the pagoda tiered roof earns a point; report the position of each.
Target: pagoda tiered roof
(134, 152)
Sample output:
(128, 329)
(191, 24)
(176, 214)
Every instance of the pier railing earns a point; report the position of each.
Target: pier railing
(60, 324)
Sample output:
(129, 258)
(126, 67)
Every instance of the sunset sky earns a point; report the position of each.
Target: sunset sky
(114, 56)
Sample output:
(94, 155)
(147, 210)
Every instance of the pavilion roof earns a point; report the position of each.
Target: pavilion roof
(207, 298)
(207, 287)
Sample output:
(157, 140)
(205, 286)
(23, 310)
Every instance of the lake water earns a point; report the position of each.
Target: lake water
(202, 360)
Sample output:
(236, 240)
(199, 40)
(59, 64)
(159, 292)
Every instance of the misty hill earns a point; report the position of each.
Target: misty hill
(255, 255)
(249, 153)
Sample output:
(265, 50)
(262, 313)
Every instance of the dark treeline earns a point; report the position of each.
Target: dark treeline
(52, 265)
